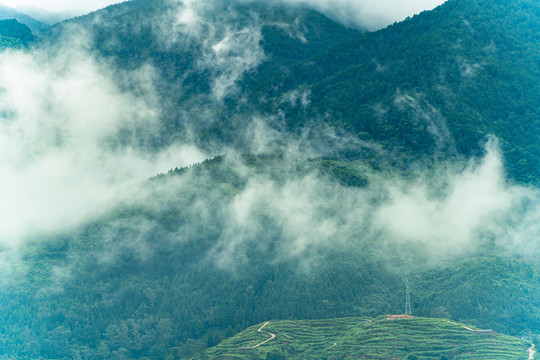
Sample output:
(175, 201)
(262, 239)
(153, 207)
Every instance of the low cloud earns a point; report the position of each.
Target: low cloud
(365, 14)
(76, 8)
(227, 45)
(73, 143)
(369, 14)
(450, 210)
(421, 111)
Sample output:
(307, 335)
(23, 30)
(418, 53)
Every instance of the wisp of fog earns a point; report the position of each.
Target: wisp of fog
(72, 145)
(67, 143)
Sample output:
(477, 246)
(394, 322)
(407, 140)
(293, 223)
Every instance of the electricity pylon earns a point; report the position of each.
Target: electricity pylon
(408, 310)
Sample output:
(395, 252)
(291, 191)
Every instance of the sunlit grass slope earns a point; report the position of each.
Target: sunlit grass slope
(358, 338)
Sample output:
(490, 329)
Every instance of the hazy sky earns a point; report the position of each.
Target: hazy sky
(375, 13)
(61, 5)
(370, 14)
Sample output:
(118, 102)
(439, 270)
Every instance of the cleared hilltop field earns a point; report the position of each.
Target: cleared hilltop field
(360, 338)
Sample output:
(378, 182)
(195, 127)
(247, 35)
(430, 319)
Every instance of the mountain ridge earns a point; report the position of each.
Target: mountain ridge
(422, 84)
(435, 85)
(9, 13)
(353, 161)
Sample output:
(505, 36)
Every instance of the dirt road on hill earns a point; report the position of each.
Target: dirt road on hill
(468, 328)
(272, 336)
(531, 350)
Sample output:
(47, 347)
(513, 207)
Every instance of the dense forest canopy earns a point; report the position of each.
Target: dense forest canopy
(313, 168)
(14, 34)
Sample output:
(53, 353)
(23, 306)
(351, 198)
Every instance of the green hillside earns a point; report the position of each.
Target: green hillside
(276, 38)
(13, 34)
(360, 338)
(173, 299)
(433, 85)
(322, 126)
(10, 13)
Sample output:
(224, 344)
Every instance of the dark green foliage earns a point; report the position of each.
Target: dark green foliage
(13, 34)
(360, 338)
(275, 356)
(143, 282)
(7, 42)
(433, 86)
(344, 172)
(128, 38)
(436, 84)
(34, 25)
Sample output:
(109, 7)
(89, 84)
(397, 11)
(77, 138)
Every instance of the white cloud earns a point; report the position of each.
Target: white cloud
(370, 14)
(62, 163)
(436, 215)
(229, 48)
(446, 222)
(61, 5)
(236, 53)
(365, 13)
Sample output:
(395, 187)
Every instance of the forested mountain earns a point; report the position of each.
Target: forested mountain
(339, 164)
(436, 84)
(170, 280)
(9, 13)
(13, 34)
(199, 82)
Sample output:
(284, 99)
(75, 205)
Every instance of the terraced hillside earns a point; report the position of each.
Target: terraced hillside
(359, 338)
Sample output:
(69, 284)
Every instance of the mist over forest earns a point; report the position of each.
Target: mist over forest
(174, 172)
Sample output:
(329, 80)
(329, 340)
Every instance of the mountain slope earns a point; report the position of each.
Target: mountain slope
(173, 276)
(435, 84)
(357, 338)
(34, 25)
(293, 232)
(200, 66)
(15, 34)
(290, 33)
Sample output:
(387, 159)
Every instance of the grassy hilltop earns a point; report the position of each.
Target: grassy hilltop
(360, 338)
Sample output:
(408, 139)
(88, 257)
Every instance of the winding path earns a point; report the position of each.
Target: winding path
(468, 328)
(272, 336)
(531, 352)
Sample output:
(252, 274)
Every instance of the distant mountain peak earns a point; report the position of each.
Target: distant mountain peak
(10, 13)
